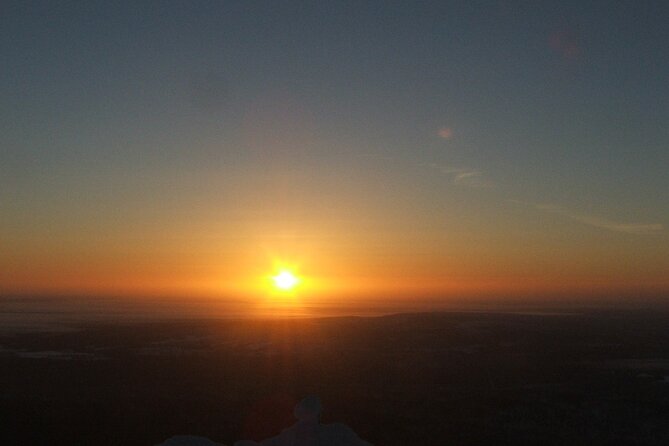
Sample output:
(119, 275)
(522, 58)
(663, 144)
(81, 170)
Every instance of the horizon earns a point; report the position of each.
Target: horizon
(26, 313)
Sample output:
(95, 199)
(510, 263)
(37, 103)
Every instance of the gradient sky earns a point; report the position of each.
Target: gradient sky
(405, 148)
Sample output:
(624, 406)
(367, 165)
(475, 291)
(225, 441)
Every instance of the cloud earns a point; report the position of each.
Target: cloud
(445, 133)
(603, 223)
(464, 176)
(467, 176)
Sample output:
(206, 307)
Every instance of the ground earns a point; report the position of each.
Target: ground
(591, 378)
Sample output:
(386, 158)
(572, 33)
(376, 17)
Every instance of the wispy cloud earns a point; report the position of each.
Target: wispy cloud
(464, 176)
(600, 222)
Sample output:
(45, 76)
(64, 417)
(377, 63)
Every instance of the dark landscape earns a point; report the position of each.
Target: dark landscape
(458, 378)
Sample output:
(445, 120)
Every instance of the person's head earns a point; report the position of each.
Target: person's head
(308, 409)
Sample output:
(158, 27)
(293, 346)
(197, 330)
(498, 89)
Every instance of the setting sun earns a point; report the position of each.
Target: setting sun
(285, 280)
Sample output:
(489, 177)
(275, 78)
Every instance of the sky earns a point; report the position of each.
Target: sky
(446, 149)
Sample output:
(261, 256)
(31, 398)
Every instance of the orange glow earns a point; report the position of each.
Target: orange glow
(341, 260)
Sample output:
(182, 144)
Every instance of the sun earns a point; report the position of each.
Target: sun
(285, 280)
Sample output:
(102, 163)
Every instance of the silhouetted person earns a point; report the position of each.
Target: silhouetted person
(309, 432)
